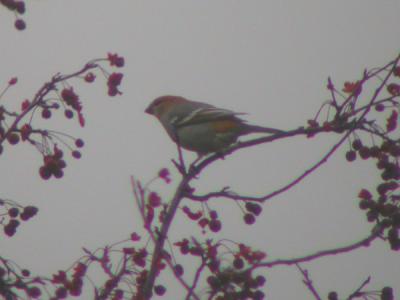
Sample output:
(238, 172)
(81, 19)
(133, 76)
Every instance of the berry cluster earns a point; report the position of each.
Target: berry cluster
(47, 101)
(18, 7)
(253, 210)
(71, 286)
(53, 163)
(14, 213)
(226, 282)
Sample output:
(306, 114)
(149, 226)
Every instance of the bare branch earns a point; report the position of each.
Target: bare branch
(308, 282)
(292, 261)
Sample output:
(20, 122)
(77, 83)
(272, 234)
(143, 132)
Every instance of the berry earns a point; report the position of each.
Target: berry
(387, 293)
(351, 155)
(13, 138)
(34, 292)
(238, 263)
(79, 143)
(254, 208)
(215, 225)
(357, 144)
(76, 154)
(379, 107)
(90, 77)
(213, 214)
(46, 113)
(178, 269)
(333, 296)
(258, 295)
(364, 152)
(44, 172)
(249, 219)
(29, 212)
(159, 290)
(260, 280)
(69, 114)
(25, 273)
(20, 24)
(13, 212)
(61, 293)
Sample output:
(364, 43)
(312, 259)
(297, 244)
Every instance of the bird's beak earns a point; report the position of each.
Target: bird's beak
(149, 110)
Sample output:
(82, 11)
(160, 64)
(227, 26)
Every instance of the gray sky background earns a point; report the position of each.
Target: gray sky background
(270, 59)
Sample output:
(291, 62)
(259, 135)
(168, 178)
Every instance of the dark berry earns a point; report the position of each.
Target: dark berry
(254, 208)
(159, 290)
(238, 263)
(213, 214)
(249, 219)
(387, 293)
(215, 225)
(379, 107)
(357, 144)
(29, 212)
(20, 24)
(351, 155)
(46, 113)
(44, 172)
(333, 296)
(76, 154)
(13, 212)
(69, 114)
(178, 269)
(79, 143)
(13, 138)
(34, 292)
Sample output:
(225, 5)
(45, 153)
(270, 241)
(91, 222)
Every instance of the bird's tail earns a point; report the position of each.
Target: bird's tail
(260, 129)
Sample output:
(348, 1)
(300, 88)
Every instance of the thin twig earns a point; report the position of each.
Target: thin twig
(308, 282)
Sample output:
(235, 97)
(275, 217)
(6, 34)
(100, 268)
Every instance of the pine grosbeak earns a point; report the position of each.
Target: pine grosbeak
(201, 127)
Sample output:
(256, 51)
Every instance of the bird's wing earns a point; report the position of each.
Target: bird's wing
(205, 114)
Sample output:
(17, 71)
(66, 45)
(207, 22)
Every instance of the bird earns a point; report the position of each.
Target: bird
(201, 127)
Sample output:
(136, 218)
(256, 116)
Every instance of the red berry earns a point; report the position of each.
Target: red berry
(25, 273)
(365, 194)
(215, 225)
(46, 113)
(154, 199)
(90, 77)
(249, 219)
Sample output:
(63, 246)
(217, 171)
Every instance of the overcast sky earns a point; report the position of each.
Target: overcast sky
(270, 59)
